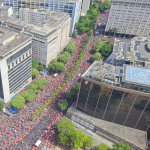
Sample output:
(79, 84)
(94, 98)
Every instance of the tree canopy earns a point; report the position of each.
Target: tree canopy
(64, 58)
(70, 47)
(41, 83)
(41, 68)
(102, 146)
(34, 63)
(97, 56)
(74, 91)
(58, 67)
(98, 46)
(35, 72)
(1, 105)
(74, 34)
(105, 5)
(121, 146)
(62, 104)
(18, 102)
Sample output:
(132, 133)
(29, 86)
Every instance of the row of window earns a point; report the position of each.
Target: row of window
(18, 60)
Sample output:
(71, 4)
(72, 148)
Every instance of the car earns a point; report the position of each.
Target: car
(13, 110)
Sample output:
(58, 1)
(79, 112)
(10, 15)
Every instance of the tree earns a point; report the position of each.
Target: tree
(78, 138)
(98, 46)
(35, 72)
(97, 56)
(34, 63)
(90, 33)
(70, 47)
(18, 102)
(41, 68)
(121, 146)
(105, 5)
(62, 104)
(1, 105)
(102, 146)
(58, 67)
(115, 30)
(33, 87)
(63, 58)
(88, 142)
(30, 95)
(74, 34)
(41, 83)
(65, 126)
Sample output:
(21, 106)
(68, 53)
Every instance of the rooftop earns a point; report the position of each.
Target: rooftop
(130, 135)
(35, 10)
(9, 40)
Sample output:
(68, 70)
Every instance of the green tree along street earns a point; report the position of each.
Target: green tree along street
(74, 34)
(70, 47)
(68, 136)
(41, 68)
(98, 46)
(58, 67)
(74, 91)
(87, 22)
(18, 102)
(28, 95)
(34, 63)
(35, 72)
(103, 49)
(105, 5)
(97, 56)
(62, 104)
(102, 146)
(1, 105)
(121, 146)
(64, 58)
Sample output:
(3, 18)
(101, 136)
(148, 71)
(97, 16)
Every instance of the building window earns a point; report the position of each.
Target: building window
(26, 54)
(12, 64)
(16, 62)
(23, 56)
(20, 59)
(8, 67)
(29, 52)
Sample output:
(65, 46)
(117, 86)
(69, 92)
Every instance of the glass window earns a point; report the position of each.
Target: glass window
(102, 103)
(20, 59)
(8, 67)
(27, 54)
(113, 105)
(136, 111)
(84, 90)
(23, 56)
(16, 62)
(144, 121)
(124, 108)
(12, 64)
(93, 99)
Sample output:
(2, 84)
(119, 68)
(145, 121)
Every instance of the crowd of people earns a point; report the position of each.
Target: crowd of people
(20, 131)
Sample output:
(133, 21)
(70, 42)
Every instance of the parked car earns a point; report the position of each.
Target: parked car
(13, 110)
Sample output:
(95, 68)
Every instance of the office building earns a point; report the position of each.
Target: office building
(73, 7)
(5, 10)
(49, 36)
(15, 63)
(33, 16)
(85, 7)
(114, 97)
(130, 17)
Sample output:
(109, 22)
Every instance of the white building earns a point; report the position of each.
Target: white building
(33, 16)
(73, 7)
(49, 36)
(130, 17)
(15, 63)
(85, 7)
(5, 10)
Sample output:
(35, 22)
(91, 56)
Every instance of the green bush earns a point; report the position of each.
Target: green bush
(57, 91)
(104, 39)
(49, 100)
(34, 116)
(62, 104)
(53, 94)
(37, 112)
(40, 109)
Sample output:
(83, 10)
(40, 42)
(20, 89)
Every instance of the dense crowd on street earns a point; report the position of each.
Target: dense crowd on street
(20, 131)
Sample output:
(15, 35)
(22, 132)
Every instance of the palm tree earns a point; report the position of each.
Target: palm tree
(110, 30)
(115, 30)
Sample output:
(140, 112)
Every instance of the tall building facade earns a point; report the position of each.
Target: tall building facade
(130, 17)
(15, 63)
(72, 7)
(49, 36)
(118, 97)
